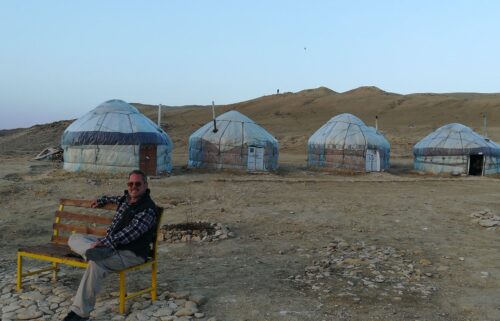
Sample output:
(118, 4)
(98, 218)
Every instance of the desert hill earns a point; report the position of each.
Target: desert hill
(293, 117)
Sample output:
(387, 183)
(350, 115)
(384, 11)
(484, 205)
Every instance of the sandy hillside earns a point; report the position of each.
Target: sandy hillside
(293, 117)
(308, 245)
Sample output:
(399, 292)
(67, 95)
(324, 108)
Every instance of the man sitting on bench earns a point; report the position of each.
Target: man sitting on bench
(126, 243)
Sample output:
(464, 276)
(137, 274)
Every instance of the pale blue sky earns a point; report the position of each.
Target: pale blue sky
(60, 59)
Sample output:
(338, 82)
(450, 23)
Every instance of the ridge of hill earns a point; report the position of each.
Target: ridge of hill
(293, 117)
(366, 91)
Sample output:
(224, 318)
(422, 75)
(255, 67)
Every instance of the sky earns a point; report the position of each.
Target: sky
(61, 59)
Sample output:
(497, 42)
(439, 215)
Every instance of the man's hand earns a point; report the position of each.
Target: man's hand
(96, 244)
(94, 204)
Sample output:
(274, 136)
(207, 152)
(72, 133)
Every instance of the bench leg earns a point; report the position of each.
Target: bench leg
(19, 272)
(153, 281)
(54, 273)
(122, 292)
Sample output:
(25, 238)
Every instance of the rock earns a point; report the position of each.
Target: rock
(179, 295)
(425, 262)
(312, 269)
(142, 317)
(488, 223)
(184, 312)
(485, 274)
(55, 299)
(10, 308)
(190, 304)
(199, 315)
(163, 312)
(46, 310)
(442, 268)
(198, 299)
(28, 315)
(180, 302)
(353, 261)
(33, 296)
(26, 303)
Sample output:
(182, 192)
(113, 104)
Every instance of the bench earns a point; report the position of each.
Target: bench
(92, 221)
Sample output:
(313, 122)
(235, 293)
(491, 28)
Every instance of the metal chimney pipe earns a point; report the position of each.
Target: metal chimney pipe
(376, 122)
(159, 115)
(213, 116)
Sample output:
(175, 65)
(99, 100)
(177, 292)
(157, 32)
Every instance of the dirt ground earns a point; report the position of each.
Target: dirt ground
(283, 221)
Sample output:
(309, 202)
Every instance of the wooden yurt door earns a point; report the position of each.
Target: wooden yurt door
(147, 159)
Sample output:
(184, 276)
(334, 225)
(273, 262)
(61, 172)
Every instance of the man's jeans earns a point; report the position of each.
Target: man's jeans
(90, 284)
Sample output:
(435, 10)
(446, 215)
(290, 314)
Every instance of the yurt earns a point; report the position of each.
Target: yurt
(457, 149)
(234, 141)
(346, 143)
(116, 137)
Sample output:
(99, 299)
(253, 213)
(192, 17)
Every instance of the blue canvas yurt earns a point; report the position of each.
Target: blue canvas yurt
(116, 137)
(346, 143)
(238, 142)
(457, 149)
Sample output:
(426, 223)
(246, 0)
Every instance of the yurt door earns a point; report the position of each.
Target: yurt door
(255, 158)
(476, 165)
(372, 160)
(147, 159)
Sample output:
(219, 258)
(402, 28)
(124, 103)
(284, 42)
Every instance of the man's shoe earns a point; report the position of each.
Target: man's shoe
(72, 316)
(98, 253)
(74, 255)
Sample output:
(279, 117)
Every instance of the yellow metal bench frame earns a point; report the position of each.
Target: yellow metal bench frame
(77, 263)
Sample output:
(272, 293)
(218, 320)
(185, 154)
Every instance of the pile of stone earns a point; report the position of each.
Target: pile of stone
(357, 270)
(194, 232)
(43, 300)
(486, 218)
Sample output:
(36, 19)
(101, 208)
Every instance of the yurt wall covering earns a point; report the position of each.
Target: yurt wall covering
(116, 137)
(457, 149)
(239, 143)
(345, 142)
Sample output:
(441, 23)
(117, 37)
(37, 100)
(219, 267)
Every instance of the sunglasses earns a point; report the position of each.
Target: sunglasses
(136, 184)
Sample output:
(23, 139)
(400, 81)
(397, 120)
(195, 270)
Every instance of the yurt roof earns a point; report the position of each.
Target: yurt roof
(346, 131)
(233, 129)
(347, 118)
(455, 139)
(114, 122)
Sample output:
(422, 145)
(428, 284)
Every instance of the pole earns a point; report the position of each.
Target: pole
(376, 122)
(213, 116)
(159, 115)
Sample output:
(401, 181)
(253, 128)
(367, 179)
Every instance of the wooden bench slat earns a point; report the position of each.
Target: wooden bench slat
(59, 239)
(80, 229)
(84, 217)
(52, 249)
(85, 203)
